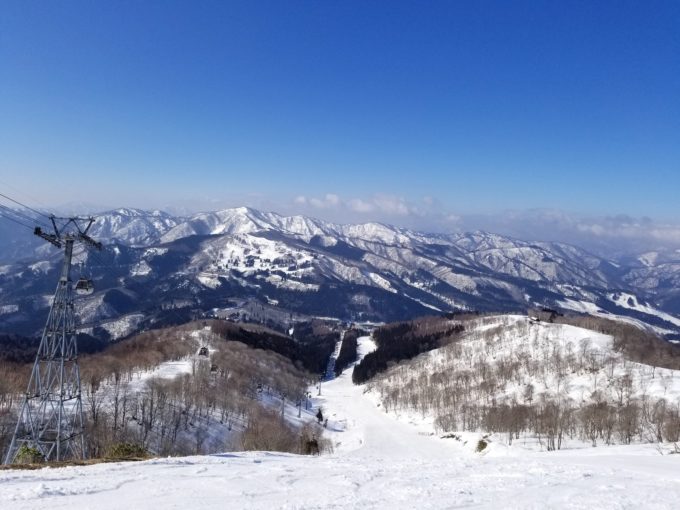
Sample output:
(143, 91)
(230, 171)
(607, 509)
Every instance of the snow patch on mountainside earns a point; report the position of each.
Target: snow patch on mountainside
(248, 254)
(631, 302)
(141, 269)
(592, 309)
(290, 284)
(155, 252)
(382, 282)
(649, 259)
(124, 326)
(209, 280)
(40, 267)
(7, 309)
(93, 309)
(426, 305)
(459, 281)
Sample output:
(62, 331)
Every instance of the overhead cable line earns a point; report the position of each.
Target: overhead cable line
(18, 214)
(5, 216)
(25, 206)
(24, 195)
(23, 215)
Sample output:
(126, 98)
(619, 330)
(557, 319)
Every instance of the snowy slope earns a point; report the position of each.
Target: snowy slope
(470, 388)
(134, 227)
(378, 463)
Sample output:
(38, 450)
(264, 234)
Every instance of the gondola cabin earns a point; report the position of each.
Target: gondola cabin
(84, 287)
(203, 351)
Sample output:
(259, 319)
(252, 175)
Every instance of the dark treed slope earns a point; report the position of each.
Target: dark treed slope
(403, 341)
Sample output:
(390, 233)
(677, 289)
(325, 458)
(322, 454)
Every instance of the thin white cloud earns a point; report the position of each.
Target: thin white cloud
(360, 206)
(426, 214)
(380, 203)
(630, 228)
(392, 205)
(330, 201)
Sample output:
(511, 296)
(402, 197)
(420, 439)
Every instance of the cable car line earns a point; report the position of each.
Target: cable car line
(18, 214)
(25, 206)
(5, 216)
(25, 195)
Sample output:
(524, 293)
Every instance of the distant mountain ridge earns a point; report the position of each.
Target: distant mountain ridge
(134, 227)
(370, 271)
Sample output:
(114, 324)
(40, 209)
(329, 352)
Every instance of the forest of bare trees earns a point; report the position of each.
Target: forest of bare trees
(553, 382)
(230, 398)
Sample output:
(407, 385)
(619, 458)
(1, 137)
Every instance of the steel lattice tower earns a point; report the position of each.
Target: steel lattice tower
(51, 417)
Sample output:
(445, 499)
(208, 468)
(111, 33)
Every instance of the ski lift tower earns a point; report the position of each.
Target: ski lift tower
(50, 424)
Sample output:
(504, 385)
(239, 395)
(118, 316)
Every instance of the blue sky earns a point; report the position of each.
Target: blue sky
(357, 109)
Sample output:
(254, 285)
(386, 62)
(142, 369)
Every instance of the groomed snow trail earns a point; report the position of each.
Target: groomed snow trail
(364, 431)
(378, 463)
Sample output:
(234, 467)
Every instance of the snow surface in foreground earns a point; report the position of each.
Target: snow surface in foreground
(378, 463)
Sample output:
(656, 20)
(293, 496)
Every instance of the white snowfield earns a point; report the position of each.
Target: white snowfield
(378, 463)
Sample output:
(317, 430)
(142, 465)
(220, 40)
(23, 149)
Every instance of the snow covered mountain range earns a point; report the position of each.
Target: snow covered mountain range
(153, 261)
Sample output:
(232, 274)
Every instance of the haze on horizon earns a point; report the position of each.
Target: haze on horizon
(543, 121)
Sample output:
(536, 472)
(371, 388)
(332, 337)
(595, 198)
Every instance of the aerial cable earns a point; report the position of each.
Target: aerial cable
(25, 195)
(25, 206)
(18, 214)
(5, 216)
(21, 214)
